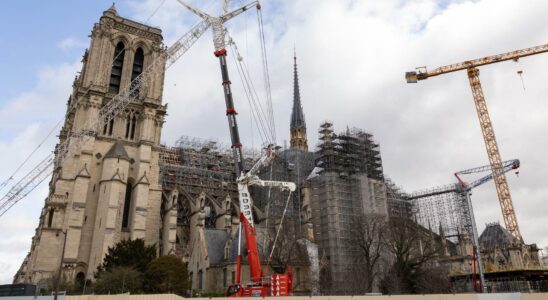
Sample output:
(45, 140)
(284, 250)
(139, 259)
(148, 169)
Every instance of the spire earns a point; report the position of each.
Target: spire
(297, 115)
(298, 125)
(112, 9)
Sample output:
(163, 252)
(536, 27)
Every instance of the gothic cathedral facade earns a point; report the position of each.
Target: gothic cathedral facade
(109, 189)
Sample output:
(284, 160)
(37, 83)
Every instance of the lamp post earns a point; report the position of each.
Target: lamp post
(58, 279)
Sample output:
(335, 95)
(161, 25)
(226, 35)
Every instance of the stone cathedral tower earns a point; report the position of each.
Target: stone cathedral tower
(298, 140)
(109, 190)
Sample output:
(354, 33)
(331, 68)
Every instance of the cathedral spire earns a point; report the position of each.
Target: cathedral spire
(298, 125)
(297, 115)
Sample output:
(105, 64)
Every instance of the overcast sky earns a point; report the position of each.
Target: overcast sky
(352, 58)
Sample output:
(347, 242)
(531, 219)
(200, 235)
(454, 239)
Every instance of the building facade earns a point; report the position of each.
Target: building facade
(109, 189)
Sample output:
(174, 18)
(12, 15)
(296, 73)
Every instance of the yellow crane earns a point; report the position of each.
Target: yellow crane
(471, 67)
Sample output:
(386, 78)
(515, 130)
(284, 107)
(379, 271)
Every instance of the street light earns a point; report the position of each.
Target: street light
(58, 279)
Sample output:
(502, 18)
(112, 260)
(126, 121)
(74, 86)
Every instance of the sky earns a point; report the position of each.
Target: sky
(352, 56)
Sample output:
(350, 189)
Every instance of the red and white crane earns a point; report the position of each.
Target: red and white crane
(279, 284)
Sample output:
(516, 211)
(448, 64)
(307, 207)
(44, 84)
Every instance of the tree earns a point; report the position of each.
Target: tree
(284, 245)
(368, 240)
(119, 279)
(167, 274)
(414, 251)
(128, 253)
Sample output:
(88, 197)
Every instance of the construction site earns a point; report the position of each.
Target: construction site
(266, 222)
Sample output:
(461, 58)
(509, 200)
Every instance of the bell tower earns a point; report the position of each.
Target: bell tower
(298, 141)
(108, 189)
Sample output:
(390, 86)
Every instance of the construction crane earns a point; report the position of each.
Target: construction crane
(466, 189)
(108, 112)
(463, 188)
(471, 67)
(279, 284)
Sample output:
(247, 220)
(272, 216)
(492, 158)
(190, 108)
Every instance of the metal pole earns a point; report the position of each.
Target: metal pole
(475, 241)
(57, 281)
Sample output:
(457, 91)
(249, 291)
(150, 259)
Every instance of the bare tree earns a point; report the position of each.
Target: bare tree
(414, 251)
(283, 247)
(368, 240)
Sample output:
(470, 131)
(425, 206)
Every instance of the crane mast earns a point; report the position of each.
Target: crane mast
(493, 153)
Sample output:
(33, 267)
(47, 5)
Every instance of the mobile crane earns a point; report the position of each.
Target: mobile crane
(277, 284)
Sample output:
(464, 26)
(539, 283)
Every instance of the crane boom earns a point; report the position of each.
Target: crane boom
(422, 73)
(108, 112)
(493, 153)
(506, 167)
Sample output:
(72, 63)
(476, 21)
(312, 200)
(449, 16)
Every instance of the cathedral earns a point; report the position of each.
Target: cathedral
(109, 190)
(123, 184)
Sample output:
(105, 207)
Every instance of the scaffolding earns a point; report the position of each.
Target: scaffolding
(443, 207)
(399, 205)
(349, 182)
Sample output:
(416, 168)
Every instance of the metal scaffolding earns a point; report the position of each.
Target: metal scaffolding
(445, 207)
(348, 182)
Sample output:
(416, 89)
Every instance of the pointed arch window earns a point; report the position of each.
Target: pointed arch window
(138, 63)
(127, 205)
(117, 66)
(131, 124)
(108, 128)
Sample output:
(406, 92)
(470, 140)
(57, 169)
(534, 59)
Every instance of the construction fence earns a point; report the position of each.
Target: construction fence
(507, 296)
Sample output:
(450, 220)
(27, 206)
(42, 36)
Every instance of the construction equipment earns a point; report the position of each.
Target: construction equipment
(465, 189)
(277, 284)
(471, 67)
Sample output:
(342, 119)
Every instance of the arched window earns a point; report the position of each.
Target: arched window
(138, 63)
(116, 72)
(131, 123)
(200, 279)
(127, 205)
(80, 279)
(210, 216)
(50, 217)
(108, 128)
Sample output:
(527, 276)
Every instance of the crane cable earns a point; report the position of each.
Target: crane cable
(29, 156)
(257, 110)
(279, 227)
(266, 76)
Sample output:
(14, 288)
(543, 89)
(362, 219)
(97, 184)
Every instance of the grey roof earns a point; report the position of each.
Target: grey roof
(495, 235)
(215, 242)
(297, 115)
(117, 151)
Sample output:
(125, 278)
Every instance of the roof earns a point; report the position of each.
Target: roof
(495, 235)
(215, 242)
(117, 151)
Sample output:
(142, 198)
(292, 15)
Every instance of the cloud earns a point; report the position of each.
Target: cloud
(352, 56)
(72, 43)
(27, 119)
